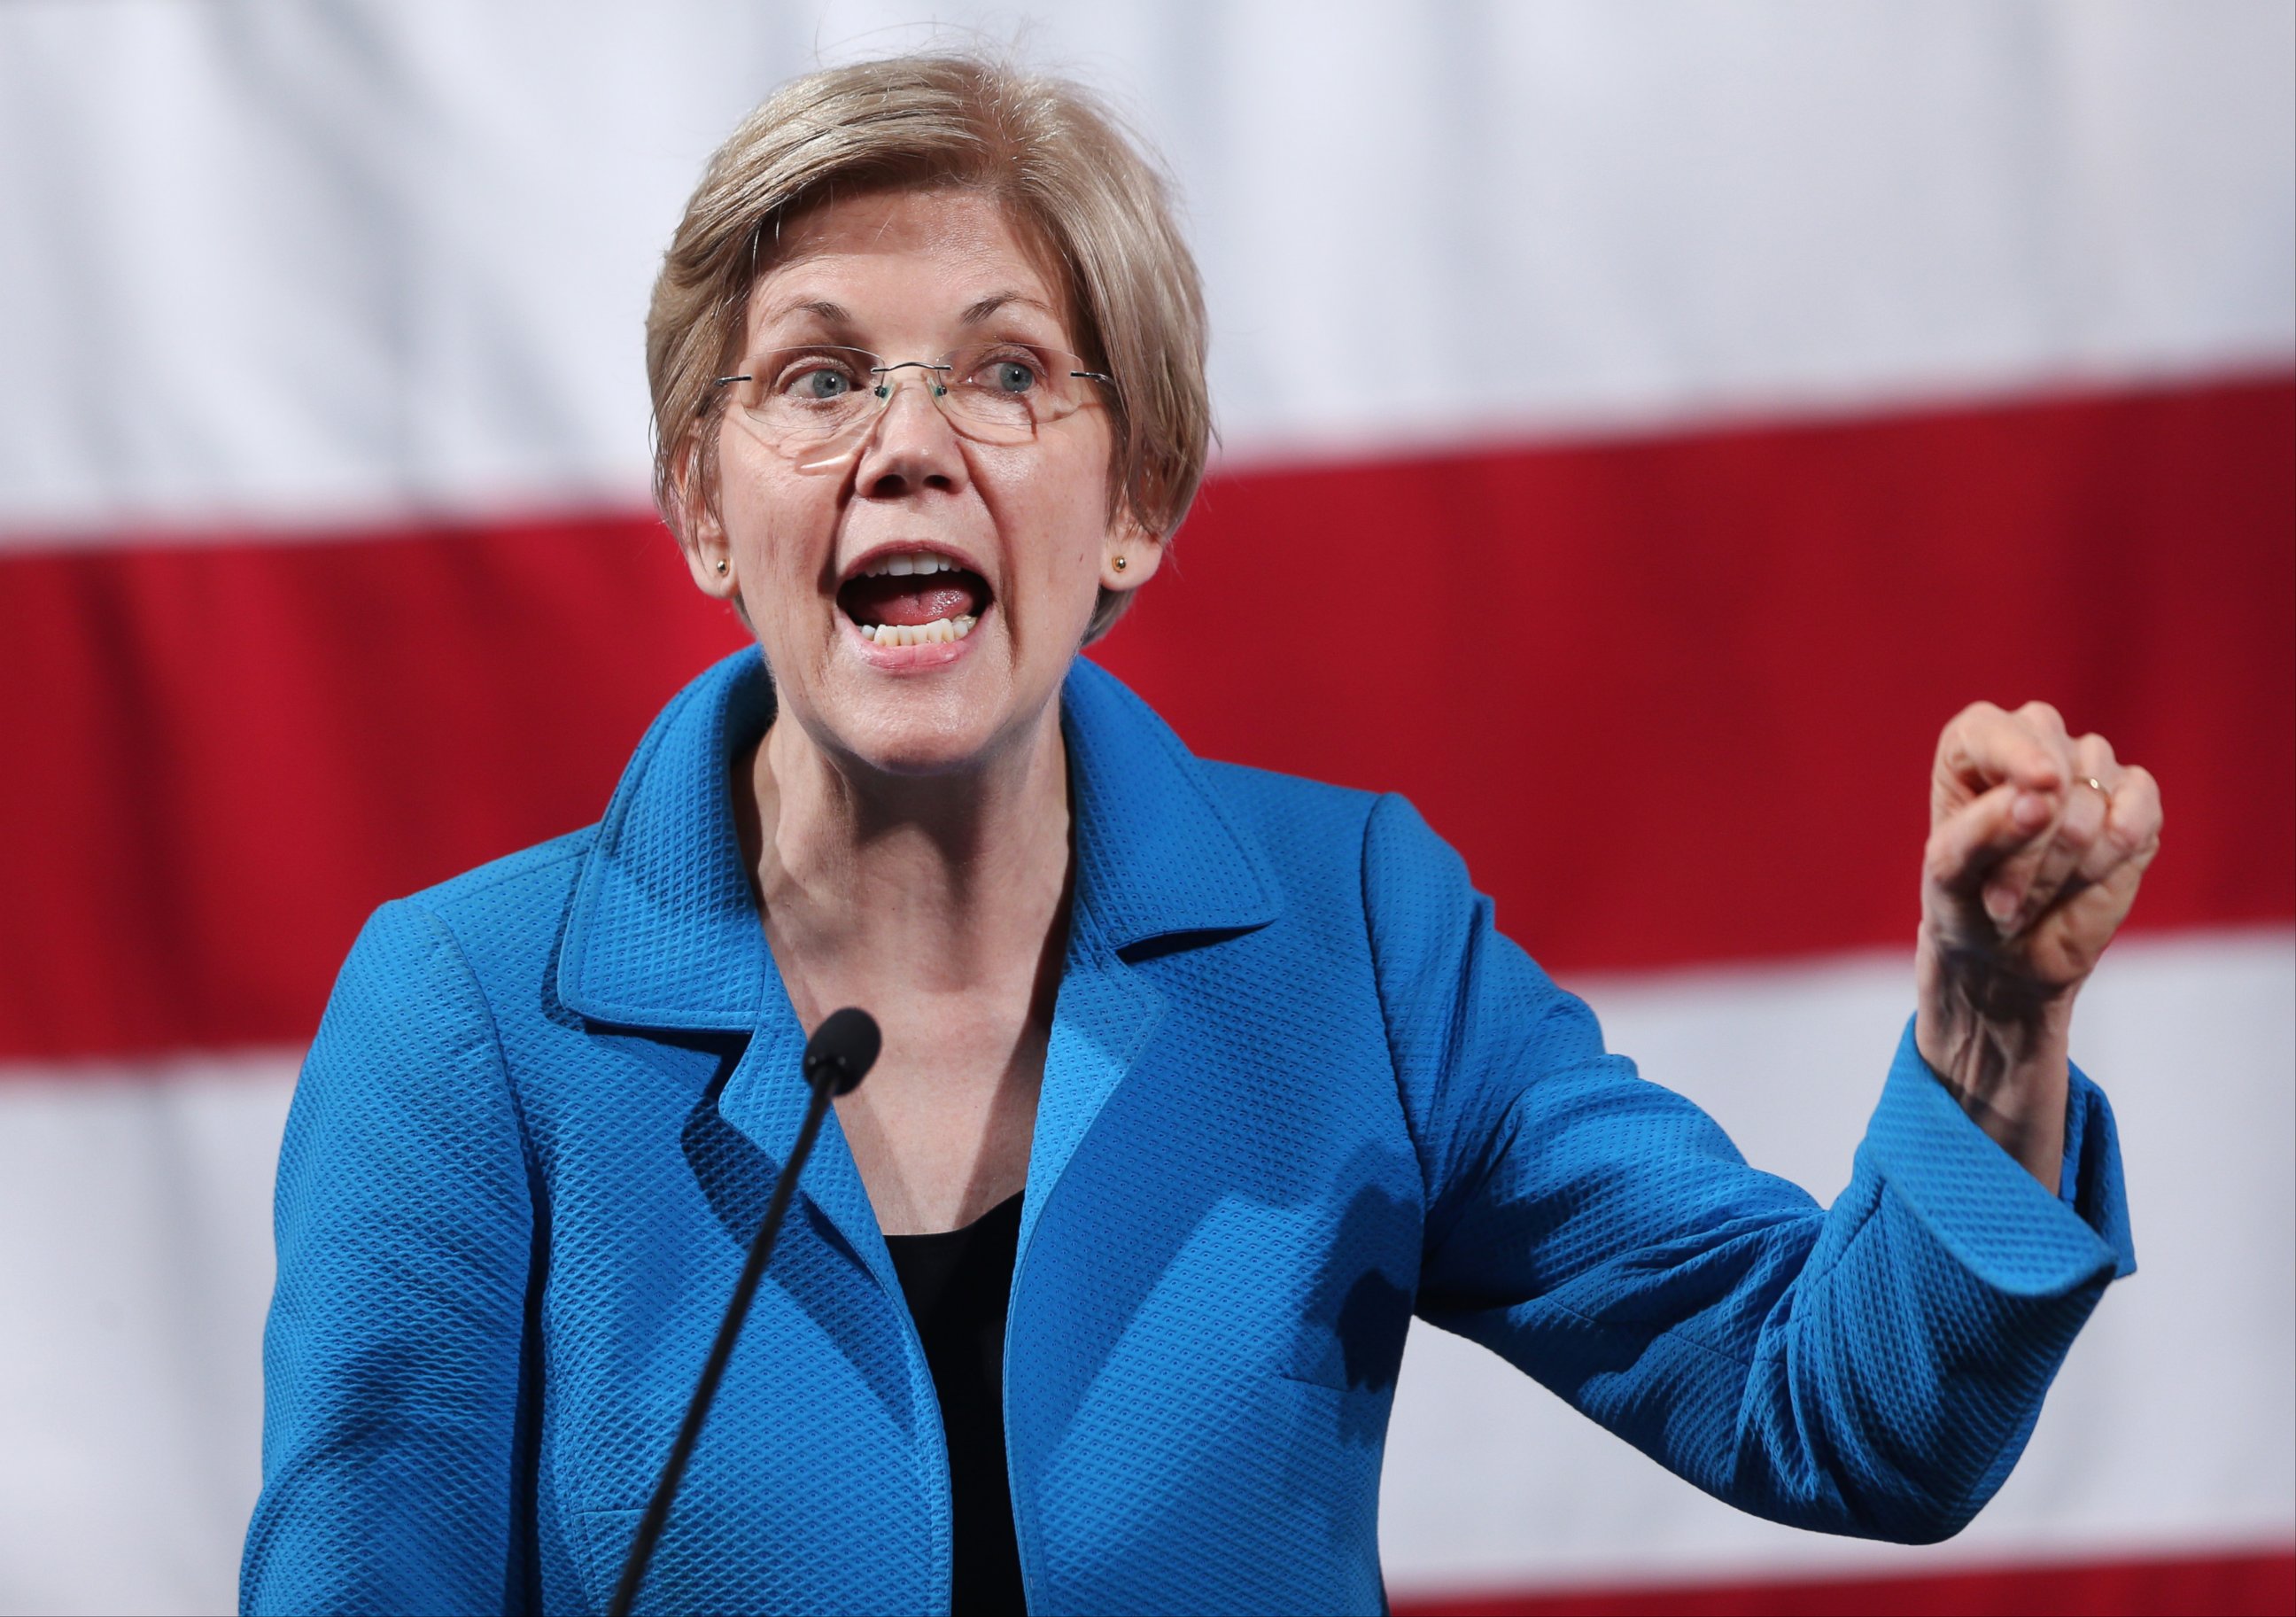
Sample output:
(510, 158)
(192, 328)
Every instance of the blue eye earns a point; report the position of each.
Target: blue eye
(819, 383)
(1010, 376)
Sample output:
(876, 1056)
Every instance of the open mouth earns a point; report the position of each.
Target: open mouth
(917, 597)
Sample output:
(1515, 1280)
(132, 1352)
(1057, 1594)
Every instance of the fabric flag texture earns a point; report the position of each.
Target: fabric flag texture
(1643, 427)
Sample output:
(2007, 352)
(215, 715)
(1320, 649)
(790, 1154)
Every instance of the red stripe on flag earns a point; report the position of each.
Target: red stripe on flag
(241, 749)
(1676, 700)
(2259, 1584)
(1673, 698)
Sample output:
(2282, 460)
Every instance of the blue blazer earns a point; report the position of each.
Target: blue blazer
(1298, 1089)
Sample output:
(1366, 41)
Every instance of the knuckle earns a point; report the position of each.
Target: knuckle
(2043, 714)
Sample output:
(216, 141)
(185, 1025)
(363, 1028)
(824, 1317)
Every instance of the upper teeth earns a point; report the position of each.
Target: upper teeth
(916, 561)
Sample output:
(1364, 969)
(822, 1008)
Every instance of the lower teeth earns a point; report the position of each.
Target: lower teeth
(940, 631)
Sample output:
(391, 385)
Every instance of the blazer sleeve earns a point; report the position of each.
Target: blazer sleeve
(391, 1358)
(1874, 1369)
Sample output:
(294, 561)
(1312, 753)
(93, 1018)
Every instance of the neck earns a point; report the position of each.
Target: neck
(943, 880)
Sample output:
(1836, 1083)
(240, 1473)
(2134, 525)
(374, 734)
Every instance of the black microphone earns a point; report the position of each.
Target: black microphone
(837, 1058)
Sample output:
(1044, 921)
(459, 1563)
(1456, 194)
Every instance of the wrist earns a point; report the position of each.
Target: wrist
(2001, 1046)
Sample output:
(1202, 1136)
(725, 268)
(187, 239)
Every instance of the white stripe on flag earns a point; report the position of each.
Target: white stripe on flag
(136, 1265)
(305, 265)
(135, 1254)
(2173, 1423)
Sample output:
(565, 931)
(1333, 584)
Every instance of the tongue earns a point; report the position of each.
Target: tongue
(912, 600)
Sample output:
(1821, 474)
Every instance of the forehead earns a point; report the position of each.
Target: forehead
(892, 257)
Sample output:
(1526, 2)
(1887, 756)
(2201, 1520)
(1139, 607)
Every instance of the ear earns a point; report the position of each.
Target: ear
(701, 534)
(1139, 552)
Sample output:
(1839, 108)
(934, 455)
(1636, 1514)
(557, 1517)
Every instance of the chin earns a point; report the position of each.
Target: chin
(921, 733)
(924, 757)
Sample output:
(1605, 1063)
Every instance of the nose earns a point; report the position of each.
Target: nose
(913, 448)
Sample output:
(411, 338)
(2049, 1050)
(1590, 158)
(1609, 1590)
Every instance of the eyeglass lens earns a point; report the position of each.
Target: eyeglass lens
(806, 400)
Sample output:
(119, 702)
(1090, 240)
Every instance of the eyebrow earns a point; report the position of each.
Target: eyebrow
(828, 312)
(838, 317)
(976, 313)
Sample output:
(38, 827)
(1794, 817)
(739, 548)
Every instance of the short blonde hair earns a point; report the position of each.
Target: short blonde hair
(1056, 159)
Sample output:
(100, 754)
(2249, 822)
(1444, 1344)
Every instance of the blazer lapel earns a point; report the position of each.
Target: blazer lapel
(663, 933)
(1157, 862)
(1101, 1023)
(766, 1098)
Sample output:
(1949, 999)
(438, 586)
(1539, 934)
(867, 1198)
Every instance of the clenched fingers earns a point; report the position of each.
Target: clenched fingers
(2131, 834)
(2029, 883)
(1986, 746)
(1969, 847)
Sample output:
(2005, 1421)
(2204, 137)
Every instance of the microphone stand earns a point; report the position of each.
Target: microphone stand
(836, 1058)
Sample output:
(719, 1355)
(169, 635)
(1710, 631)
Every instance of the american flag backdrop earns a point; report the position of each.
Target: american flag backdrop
(1644, 425)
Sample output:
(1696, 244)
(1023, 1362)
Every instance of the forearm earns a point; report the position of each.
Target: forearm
(1893, 1390)
(1873, 1370)
(1898, 1398)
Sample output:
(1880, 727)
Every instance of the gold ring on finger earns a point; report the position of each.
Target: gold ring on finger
(2091, 780)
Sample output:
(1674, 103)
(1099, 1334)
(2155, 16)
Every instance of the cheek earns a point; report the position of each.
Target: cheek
(1060, 562)
(781, 526)
(1057, 510)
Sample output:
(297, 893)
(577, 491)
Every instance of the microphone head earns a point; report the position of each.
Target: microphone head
(846, 1046)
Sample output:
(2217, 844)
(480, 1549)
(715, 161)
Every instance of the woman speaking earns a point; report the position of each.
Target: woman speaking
(1197, 1084)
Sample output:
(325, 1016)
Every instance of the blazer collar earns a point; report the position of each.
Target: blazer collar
(1158, 854)
(663, 932)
